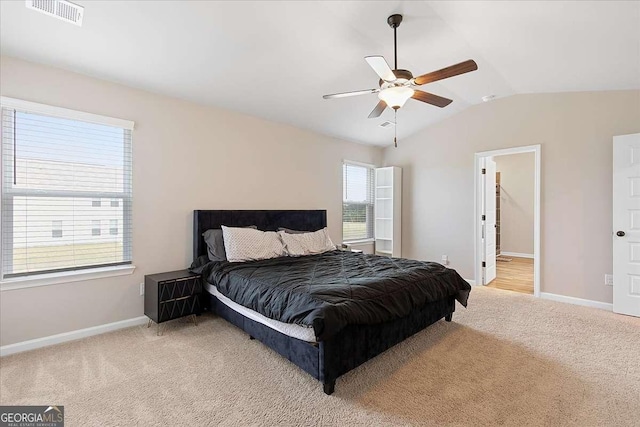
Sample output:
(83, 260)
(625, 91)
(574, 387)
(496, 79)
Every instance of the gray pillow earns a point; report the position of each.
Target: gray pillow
(290, 231)
(215, 244)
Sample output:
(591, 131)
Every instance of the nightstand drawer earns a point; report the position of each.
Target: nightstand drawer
(175, 308)
(180, 288)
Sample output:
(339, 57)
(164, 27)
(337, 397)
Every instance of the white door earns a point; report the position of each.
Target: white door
(489, 225)
(626, 224)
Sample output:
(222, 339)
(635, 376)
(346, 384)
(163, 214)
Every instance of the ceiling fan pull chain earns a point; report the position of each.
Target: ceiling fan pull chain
(395, 128)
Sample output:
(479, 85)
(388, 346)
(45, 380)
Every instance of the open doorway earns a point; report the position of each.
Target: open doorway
(507, 221)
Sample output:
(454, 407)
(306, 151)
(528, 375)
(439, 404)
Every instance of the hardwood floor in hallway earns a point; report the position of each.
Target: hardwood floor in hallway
(516, 275)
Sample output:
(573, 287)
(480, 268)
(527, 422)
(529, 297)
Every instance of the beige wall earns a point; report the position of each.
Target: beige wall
(575, 131)
(517, 182)
(186, 157)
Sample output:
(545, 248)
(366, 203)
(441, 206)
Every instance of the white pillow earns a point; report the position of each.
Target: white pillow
(247, 244)
(307, 243)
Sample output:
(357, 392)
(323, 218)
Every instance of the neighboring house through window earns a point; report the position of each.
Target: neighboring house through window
(357, 201)
(63, 167)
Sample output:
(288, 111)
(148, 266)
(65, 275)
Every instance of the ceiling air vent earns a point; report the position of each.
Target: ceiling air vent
(387, 124)
(61, 9)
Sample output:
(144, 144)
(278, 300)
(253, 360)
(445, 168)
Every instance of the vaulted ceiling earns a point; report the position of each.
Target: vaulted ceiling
(275, 59)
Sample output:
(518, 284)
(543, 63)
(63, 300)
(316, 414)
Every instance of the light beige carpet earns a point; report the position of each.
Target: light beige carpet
(508, 359)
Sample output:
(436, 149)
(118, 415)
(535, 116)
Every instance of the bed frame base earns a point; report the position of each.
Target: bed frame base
(351, 347)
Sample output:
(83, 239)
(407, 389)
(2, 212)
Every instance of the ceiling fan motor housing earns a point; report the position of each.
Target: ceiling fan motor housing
(400, 75)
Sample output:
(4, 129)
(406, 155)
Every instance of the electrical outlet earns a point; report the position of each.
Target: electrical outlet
(445, 260)
(608, 279)
(141, 289)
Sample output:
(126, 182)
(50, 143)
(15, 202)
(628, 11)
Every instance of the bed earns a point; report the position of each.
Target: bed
(326, 313)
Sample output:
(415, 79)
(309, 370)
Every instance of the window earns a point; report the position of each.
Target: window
(357, 201)
(113, 227)
(95, 227)
(56, 229)
(115, 203)
(58, 165)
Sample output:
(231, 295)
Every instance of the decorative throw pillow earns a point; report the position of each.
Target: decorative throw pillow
(215, 244)
(307, 243)
(246, 244)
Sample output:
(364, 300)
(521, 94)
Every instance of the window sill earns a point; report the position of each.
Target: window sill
(65, 277)
(358, 242)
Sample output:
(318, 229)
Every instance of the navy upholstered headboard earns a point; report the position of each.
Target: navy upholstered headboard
(265, 220)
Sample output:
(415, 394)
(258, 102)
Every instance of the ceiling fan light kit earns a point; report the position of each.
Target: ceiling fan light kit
(396, 96)
(397, 85)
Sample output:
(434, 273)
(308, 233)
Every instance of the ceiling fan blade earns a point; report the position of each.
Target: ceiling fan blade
(354, 93)
(381, 67)
(432, 99)
(378, 110)
(445, 73)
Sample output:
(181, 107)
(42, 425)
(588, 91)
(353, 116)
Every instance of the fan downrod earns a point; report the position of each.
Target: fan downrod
(394, 22)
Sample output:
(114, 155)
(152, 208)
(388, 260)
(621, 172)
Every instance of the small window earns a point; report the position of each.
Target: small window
(95, 227)
(96, 203)
(113, 227)
(357, 201)
(56, 229)
(115, 203)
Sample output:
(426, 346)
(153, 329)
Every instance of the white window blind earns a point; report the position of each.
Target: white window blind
(62, 179)
(357, 201)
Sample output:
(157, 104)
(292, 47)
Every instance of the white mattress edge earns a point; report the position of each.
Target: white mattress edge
(304, 333)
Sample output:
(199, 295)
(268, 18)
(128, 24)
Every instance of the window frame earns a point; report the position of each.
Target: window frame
(6, 200)
(55, 229)
(96, 228)
(112, 228)
(371, 205)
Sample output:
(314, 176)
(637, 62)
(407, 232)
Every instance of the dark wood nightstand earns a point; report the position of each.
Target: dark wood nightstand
(172, 295)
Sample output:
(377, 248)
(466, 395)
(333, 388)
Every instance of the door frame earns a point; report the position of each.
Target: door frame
(477, 220)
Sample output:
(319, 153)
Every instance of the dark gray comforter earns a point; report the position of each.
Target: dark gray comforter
(334, 289)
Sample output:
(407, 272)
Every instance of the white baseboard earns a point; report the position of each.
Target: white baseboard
(471, 282)
(516, 254)
(6, 350)
(577, 301)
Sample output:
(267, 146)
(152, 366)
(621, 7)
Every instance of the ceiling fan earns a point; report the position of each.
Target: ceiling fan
(397, 86)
